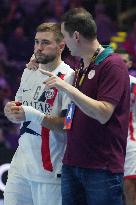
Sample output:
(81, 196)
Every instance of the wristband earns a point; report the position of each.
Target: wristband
(31, 114)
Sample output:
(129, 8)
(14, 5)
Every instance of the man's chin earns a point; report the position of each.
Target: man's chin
(40, 61)
(45, 60)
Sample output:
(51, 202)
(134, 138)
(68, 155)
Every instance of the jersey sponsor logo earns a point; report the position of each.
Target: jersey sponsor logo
(91, 74)
(42, 102)
(25, 90)
(41, 106)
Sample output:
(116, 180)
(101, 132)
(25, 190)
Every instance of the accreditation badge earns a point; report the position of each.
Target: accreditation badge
(69, 116)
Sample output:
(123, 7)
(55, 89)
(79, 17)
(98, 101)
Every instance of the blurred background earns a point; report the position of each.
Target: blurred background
(116, 22)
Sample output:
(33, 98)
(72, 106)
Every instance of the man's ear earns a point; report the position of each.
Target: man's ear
(62, 45)
(130, 63)
(76, 36)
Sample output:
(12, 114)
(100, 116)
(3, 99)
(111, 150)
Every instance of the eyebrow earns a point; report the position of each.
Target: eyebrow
(43, 40)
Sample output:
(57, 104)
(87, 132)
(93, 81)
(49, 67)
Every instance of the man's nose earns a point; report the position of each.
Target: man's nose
(40, 47)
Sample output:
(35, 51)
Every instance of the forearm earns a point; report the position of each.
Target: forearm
(53, 123)
(95, 109)
(98, 110)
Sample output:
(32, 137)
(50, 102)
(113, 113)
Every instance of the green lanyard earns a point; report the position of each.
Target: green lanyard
(86, 69)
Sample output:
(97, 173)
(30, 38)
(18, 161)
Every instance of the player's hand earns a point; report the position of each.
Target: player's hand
(7, 108)
(32, 65)
(14, 112)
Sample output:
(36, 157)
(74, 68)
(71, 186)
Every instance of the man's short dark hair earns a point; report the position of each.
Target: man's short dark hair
(79, 19)
(51, 27)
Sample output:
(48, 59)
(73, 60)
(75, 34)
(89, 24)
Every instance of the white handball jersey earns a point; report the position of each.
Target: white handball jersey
(28, 159)
(131, 140)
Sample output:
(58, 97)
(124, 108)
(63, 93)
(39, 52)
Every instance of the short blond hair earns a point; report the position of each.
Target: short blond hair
(51, 27)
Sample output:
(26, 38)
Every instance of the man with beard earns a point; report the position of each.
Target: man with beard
(35, 173)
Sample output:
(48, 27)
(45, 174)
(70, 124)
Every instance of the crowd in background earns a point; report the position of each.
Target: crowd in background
(18, 20)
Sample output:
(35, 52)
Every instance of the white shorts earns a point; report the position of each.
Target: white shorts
(130, 165)
(20, 191)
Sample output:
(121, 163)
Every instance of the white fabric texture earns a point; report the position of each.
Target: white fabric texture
(23, 192)
(130, 164)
